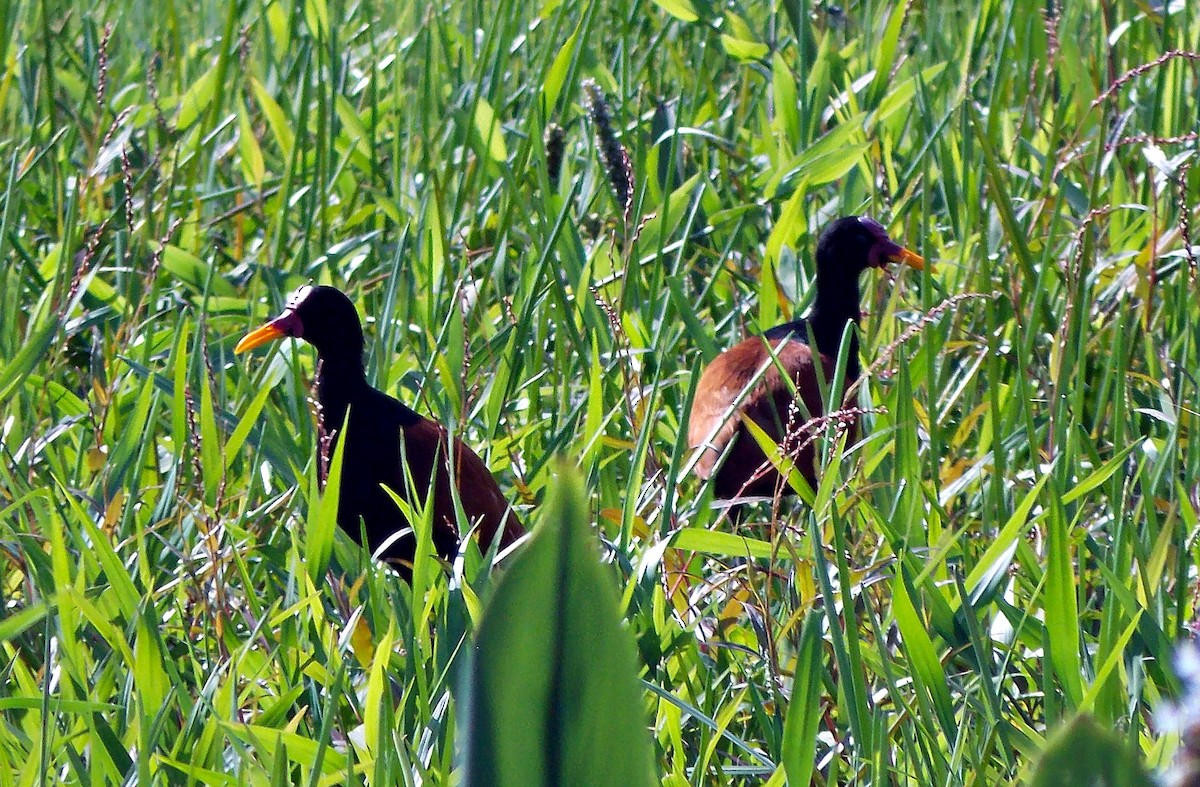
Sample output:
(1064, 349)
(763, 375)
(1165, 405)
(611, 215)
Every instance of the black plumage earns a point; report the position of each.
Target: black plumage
(382, 436)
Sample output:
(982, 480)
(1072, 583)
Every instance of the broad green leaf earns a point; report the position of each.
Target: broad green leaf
(487, 125)
(825, 160)
(683, 10)
(210, 441)
(117, 577)
(354, 128)
(57, 705)
(180, 361)
(316, 16)
(661, 228)
(137, 428)
(252, 157)
(151, 679)
(377, 685)
(997, 558)
(557, 74)
(885, 50)
(233, 445)
(833, 165)
(1002, 199)
(716, 542)
(323, 511)
(32, 352)
(196, 99)
(790, 229)
(551, 696)
(277, 22)
(13, 625)
(276, 119)
(1099, 475)
(786, 105)
(901, 96)
(784, 464)
(593, 425)
(115, 636)
(923, 662)
(1116, 656)
(744, 50)
(51, 267)
(207, 776)
(1062, 611)
(731, 706)
(194, 272)
(300, 749)
(804, 712)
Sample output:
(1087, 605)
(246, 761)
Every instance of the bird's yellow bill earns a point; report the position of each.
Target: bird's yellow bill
(258, 337)
(909, 258)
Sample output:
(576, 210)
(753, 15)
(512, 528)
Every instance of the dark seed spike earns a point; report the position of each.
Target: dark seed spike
(102, 69)
(556, 138)
(1185, 224)
(617, 164)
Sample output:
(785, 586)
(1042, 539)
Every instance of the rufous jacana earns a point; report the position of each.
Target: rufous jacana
(382, 434)
(845, 249)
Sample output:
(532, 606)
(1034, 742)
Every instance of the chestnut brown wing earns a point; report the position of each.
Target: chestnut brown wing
(767, 404)
(483, 502)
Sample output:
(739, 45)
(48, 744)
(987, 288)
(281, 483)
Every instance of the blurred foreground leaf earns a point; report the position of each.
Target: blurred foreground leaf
(1083, 752)
(551, 695)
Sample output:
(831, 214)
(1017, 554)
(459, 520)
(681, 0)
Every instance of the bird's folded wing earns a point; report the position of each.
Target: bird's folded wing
(719, 399)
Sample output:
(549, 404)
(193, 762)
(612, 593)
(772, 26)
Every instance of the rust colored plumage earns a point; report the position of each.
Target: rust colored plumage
(727, 395)
(769, 404)
(483, 503)
(387, 444)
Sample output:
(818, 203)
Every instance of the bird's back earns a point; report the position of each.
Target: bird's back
(387, 437)
(715, 421)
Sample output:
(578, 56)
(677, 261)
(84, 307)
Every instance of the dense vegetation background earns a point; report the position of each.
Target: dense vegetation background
(1012, 541)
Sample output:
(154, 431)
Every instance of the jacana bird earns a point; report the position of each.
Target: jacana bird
(845, 249)
(382, 434)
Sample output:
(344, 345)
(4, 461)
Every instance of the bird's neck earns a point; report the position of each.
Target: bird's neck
(837, 303)
(340, 381)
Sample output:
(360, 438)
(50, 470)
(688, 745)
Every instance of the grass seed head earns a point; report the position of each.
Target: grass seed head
(556, 139)
(614, 156)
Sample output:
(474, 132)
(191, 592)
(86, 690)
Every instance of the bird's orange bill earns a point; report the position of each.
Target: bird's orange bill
(909, 258)
(259, 336)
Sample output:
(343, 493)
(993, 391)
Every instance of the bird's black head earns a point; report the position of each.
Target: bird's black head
(852, 244)
(322, 316)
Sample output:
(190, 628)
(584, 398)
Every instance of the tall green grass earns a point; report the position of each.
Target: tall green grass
(1011, 542)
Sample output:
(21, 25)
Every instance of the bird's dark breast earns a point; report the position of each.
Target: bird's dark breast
(372, 459)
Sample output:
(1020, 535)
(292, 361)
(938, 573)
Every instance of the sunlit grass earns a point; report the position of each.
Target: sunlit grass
(1011, 541)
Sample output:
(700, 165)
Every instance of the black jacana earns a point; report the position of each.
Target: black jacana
(381, 434)
(845, 249)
